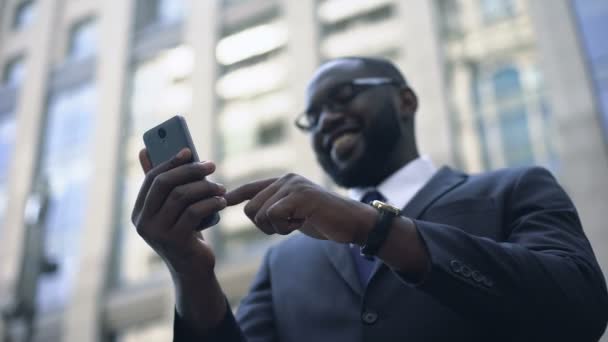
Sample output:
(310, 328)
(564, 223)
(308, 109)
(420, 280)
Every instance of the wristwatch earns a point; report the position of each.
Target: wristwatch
(378, 234)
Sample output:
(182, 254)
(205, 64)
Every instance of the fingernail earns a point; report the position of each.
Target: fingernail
(222, 201)
(221, 188)
(207, 165)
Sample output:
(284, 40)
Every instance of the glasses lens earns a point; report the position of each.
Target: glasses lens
(303, 122)
(344, 94)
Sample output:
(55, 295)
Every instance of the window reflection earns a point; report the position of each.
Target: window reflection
(593, 23)
(83, 40)
(159, 12)
(254, 107)
(161, 89)
(24, 14)
(513, 117)
(7, 144)
(493, 10)
(14, 72)
(66, 165)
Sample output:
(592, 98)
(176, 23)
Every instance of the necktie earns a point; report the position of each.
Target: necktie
(363, 264)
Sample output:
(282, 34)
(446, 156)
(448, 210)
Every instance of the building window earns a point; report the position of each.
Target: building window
(515, 136)
(158, 12)
(7, 145)
(345, 24)
(14, 72)
(161, 88)
(592, 18)
(83, 40)
(271, 133)
(66, 168)
(228, 3)
(24, 15)
(506, 85)
(494, 10)
(512, 117)
(450, 25)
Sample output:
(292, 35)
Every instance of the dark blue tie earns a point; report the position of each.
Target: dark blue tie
(363, 264)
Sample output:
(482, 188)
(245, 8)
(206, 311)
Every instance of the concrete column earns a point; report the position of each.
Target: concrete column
(83, 315)
(200, 33)
(582, 154)
(30, 118)
(424, 69)
(302, 51)
(469, 137)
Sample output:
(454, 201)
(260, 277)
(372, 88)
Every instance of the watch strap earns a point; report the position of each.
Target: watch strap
(378, 234)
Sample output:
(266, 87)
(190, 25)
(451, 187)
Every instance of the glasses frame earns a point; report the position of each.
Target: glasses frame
(302, 121)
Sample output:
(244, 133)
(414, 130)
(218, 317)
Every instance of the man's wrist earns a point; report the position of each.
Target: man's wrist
(199, 300)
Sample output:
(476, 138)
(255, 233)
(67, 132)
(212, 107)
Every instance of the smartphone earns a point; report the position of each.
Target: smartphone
(164, 141)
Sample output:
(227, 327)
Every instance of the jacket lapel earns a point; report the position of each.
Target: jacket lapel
(342, 261)
(440, 184)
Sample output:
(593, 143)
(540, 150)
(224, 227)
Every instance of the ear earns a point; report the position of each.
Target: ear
(408, 102)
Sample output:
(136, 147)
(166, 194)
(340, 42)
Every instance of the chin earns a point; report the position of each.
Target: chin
(352, 174)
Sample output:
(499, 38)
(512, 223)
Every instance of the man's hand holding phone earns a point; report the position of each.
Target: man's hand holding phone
(175, 196)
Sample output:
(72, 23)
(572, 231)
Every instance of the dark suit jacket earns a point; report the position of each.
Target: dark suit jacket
(510, 262)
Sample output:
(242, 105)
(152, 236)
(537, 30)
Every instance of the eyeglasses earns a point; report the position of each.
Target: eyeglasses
(339, 98)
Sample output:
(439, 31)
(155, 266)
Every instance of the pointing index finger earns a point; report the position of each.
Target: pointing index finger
(247, 191)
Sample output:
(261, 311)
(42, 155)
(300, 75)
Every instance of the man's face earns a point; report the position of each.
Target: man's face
(352, 142)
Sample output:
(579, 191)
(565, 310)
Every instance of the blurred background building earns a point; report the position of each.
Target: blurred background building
(501, 83)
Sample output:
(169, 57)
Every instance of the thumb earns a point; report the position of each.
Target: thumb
(144, 161)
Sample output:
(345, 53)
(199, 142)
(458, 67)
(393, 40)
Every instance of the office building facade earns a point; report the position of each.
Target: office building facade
(82, 80)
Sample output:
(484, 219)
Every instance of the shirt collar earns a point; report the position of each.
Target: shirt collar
(400, 187)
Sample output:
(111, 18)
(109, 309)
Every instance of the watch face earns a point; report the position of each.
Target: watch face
(386, 207)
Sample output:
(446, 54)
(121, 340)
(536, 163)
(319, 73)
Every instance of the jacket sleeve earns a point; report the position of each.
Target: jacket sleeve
(255, 317)
(542, 280)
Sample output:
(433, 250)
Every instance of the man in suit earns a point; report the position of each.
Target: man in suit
(438, 255)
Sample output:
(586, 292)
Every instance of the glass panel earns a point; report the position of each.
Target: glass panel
(161, 89)
(150, 12)
(67, 167)
(252, 122)
(593, 22)
(171, 11)
(83, 40)
(14, 72)
(271, 133)
(7, 145)
(515, 136)
(450, 18)
(24, 15)
(493, 10)
(512, 117)
(506, 84)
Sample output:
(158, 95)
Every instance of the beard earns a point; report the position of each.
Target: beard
(380, 139)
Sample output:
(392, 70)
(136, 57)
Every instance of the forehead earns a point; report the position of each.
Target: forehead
(333, 73)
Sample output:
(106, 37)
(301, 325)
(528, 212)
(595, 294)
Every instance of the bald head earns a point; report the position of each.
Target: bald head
(342, 69)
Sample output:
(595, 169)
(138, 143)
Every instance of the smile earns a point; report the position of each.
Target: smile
(339, 137)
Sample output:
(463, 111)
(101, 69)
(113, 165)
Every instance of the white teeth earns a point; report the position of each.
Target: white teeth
(346, 137)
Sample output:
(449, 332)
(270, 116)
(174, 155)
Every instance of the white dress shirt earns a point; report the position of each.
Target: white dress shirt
(400, 187)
